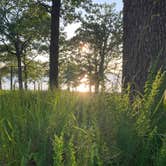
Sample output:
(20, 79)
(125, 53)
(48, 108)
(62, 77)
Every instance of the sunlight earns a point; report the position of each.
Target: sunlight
(84, 47)
(83, 87)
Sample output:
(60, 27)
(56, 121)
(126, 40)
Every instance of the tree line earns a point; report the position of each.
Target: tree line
(29, 28)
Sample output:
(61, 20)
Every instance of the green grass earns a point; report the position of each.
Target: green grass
(72, 129)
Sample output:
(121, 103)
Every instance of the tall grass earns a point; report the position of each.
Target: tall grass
(72, 129)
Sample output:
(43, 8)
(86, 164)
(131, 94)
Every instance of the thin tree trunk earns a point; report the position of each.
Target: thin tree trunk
(11, 77)
(26, 77)
(0, 83)
(97, 81)
(38, 84)
(144, 40)
(14, 86)
(18, 55)
(34, 85)
(101, 65)
(41, 86)
(54, 44)
(68, 86)
(25, 72)
(90, 75)
(101, 72)
(90, 85)
(96, 75)
(97, 84)
(19, 72)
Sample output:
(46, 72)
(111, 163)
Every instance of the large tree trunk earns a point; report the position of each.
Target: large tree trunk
(144, 40)
(54, 44)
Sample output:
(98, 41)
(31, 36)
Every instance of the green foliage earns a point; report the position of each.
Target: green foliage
(58, 151)
(62, 128)
(101, 33)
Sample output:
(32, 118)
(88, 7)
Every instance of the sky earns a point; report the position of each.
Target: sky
(70, 29)
(119, 4)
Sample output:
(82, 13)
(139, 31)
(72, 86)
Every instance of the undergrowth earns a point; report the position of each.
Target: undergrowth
(72, 129)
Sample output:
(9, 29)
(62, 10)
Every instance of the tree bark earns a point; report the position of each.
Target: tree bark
(0, 83)
(26, 77)
(90, 82)
(144, 40)
(25, 73)
(11, 77)
(101, 71)
(54, 44)
(34, 85)
(18, 55)
(97, 81)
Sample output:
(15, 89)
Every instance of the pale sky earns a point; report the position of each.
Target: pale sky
(119, 4)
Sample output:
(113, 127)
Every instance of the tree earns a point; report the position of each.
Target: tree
(101, 30)
(144, 40)
(9, 60)
(3, 72)
(70, 75)
(54, 44)
(36, 72)
(67, 9)
(20, 25)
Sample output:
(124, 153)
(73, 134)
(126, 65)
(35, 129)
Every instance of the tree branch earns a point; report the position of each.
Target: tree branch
(47, 7)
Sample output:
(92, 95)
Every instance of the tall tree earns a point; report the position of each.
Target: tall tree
(101, 29)
(3, 73)
(20, 25)
(9, 60)
(66, 9)
(54, 44)
(144, 40)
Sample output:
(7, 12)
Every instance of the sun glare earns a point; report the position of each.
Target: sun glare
(84, 47)
(83, 87)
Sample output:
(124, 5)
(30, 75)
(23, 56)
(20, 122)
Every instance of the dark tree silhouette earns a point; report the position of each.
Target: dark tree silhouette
(54, 43)
(144, 40)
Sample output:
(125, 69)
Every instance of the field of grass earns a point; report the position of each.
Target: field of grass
(72, 129)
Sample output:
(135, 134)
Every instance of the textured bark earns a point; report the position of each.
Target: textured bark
(54, 44)
(144, 40)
